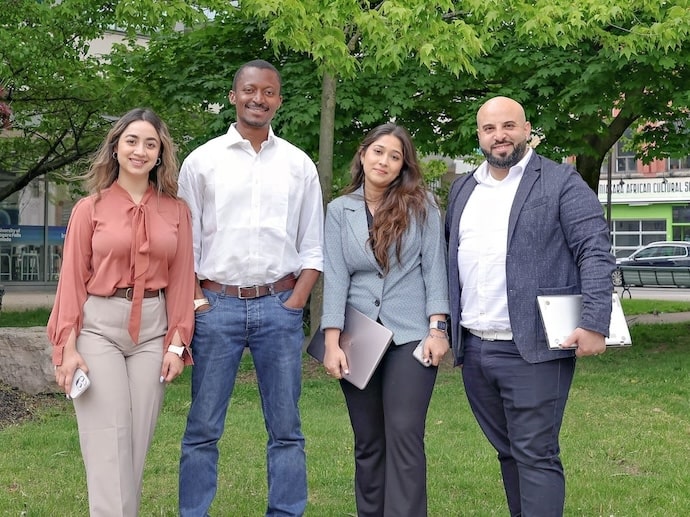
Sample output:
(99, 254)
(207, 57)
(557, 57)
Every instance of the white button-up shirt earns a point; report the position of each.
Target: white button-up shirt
(256, 217)
(483, 246)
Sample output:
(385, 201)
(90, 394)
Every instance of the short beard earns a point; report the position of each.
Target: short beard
(509, 161)
(257, 124)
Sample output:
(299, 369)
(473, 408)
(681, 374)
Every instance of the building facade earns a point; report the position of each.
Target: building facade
(647, 208)
(648, 202)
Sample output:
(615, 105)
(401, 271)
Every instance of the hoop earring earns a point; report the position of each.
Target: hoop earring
(158, 161)
(114, 155)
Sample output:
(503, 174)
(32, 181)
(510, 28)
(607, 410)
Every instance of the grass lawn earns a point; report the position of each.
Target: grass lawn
(625, 441)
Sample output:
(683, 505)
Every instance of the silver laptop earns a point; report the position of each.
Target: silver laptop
(561, 315)
(364, 342)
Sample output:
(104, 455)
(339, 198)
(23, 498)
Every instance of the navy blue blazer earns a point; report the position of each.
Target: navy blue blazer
(558, 243)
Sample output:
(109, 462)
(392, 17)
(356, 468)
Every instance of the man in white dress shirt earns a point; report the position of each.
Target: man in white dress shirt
(257, 219)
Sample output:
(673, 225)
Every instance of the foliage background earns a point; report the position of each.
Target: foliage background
(585, 73)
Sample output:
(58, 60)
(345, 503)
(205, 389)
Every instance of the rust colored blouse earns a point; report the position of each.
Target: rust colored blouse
(112, 242)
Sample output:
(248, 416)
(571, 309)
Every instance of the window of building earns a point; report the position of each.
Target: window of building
(626, 161)
(630, 234)
(681, 223)
(681, 214)
(681, 232)
(679, 163)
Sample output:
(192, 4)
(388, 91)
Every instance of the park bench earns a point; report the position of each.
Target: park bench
(650, 276)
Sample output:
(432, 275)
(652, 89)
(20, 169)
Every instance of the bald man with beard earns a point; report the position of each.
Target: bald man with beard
(520, 226)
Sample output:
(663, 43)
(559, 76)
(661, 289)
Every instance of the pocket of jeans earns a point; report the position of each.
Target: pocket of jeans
(212, 299)
(282, 298)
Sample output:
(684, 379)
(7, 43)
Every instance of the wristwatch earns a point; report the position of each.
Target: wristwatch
(439, 325)
(177, 350)
(199, 302)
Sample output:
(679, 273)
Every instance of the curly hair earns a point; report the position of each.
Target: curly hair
(104, 168)
(403, 199)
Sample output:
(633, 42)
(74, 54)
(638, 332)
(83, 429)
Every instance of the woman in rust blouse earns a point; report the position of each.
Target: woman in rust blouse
(124, 310)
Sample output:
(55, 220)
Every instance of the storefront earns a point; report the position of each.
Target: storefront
(645, 210)
(22, 256)
(31, 243)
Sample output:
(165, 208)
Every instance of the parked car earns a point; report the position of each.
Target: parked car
(656, 254)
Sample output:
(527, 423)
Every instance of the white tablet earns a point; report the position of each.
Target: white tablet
(561, 316)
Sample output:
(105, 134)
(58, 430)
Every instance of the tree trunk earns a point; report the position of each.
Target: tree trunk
(325, 166)
(589, 168)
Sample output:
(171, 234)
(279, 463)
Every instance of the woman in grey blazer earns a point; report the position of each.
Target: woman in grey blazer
(385, 256)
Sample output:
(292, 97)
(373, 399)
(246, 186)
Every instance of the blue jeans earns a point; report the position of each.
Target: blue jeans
(273, 333)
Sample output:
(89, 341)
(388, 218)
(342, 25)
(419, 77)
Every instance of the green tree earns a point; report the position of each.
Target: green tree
(186, 77)
(421, 63)
(626, 67)
(585, 72)
(346, 39)
(342, 38)
(58, 97)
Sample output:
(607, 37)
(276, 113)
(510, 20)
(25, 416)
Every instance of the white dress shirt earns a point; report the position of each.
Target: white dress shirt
(483, 234)
(256, 217)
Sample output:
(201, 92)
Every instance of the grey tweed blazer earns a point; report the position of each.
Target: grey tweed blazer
(558, 243)
(405, 297)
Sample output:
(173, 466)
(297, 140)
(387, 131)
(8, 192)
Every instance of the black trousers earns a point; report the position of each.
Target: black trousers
(519, 407)
(388, 418)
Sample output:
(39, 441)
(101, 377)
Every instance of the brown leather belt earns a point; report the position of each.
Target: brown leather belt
(128, 292)
(247, 292)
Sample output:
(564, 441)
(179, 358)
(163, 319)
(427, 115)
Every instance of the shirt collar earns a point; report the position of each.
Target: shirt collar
(235, 138)
(482, 173)
(121, 191)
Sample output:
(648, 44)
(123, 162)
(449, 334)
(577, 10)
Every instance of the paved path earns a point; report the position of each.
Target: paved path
(662, 317)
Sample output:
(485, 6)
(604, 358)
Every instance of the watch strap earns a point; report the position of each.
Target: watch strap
(439, 325)
(177, 350)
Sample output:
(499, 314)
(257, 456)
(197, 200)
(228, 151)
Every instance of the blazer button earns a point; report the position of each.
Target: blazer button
(380, 275)
(377, 302)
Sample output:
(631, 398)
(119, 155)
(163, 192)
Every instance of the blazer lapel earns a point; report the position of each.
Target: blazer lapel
(466, 189)
(356, 218)
(529, 177)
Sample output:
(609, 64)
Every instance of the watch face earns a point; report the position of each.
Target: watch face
(441, 325)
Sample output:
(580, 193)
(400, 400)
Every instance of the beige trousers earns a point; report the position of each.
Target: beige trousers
(117, 415)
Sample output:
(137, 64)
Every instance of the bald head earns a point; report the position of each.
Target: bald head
(503, 133)
(505, 106)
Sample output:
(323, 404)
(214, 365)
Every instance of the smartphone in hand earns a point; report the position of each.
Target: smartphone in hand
(80, 382)
(418, 354)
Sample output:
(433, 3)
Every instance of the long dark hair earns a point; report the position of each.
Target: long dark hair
(403, 199)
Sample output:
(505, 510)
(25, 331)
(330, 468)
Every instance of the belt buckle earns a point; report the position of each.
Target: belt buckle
(129, 294)
(249, 297)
